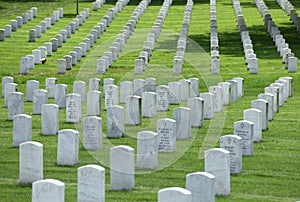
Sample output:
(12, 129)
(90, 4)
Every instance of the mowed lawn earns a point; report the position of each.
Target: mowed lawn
(271, 174)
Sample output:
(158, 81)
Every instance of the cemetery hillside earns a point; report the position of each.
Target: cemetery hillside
(150, 100)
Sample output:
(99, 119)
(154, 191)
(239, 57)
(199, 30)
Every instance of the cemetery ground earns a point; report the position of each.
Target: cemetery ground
(271, 174)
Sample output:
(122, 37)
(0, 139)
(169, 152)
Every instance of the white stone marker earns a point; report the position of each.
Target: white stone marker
(149, 105)
(31, 86)
(262, 105)
(37, 56)
(94, 84)
(15, 104)
(91, 183)
(270, 99)
(94, 103)
(174, 92)
(275, 92)
(50, 86)
(183, 124)
(92, 133)
(217, 163)
(22, 129)
(184, 89)
(6, 80)
(68, 147)
(174, 194)
(253, 65)
(226, 86)
(138, 87)
(61, 66)
(162, 98)
(9, 88)
(218, 97)
(147, 150)
(125, 90)
(233, 144)
(115, 123)
(32, 35)
(201, 185)
(194, 87)
(49, 190)
(244, 129)
(255, 116)
(73, 108)
(79, 87)
(133, 112)
(166, 131)
(290, 84)
(31, 162)
(24, 65)
(111, 95)
(196, 105)
(150, 85)
(240, 86)
(208, 99)
(285, 88)
(292, 64)
(30, 59)
(280, 93)
(50, 119)
(40, 97)
(60, 92)
(121, 168)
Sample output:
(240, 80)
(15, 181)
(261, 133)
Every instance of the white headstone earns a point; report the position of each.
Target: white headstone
(262, 105)
(50, 86)
(208, 99)
(182, 117)
(292, 64)
(79, 87)
(149, 105)
(121, 168)
(50, 119)
(6, 80)
(166, 130)
(174, 194)
(147, 150)
(226, 86)
(270, 99)
(111, 94)
(201, 185)
(150, 85)
(61, 66)
(184, 89)
(60, 92)
(94, 84)
(37, 56)
(91, 183)
(115, 121)
(138, 87)
(31, 162)
(133, 110)
(162, 98)
(218, 97)
(194, 87)
(174, 92)
(275, 92)
(244, 129)
(73, 108)
(24, 65)
(40, 97)
(255, 116)
(217, 163)
(125, 90)
(196, 105)
(49, 190)
(68, 147)
(280, 93)
(22, 129)
(31, 86)
(240, 86)
(92, 133)
(15, 104)
(94, 103)
(233, 144)
(9, 88)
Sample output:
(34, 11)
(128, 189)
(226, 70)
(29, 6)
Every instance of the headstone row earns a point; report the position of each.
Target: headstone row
(37, 31)
(18, 23)
(291, 62)
(104, 62)
(214, 40)
(181, 42)
(41, 54)
(291, 11)
(97, 4)
(144, 56)
(250, 56)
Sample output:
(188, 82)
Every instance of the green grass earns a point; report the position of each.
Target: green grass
(272, 174)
